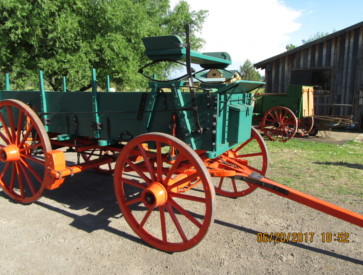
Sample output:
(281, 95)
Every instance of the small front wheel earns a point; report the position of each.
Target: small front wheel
(306, 124)
(252, 154)
(164, 191)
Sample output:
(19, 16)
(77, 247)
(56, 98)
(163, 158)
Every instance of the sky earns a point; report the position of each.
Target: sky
(259, 29)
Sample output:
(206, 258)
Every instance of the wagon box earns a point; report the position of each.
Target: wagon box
(169, 149)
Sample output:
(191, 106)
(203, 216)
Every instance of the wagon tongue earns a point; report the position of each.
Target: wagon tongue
(284, 191)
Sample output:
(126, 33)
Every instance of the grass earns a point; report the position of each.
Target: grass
(320, 169)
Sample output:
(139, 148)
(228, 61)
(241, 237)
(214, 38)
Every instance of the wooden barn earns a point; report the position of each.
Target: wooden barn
(332, 64)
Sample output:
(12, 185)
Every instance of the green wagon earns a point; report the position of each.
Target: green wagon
(281, 116)
(169, 149)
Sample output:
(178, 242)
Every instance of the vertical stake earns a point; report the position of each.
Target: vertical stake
(96, 123)
(43, 100)
(107, 83)
(64, 84)
(7, 82)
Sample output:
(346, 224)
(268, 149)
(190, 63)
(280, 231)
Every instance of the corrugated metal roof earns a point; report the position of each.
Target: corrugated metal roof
(262, 64)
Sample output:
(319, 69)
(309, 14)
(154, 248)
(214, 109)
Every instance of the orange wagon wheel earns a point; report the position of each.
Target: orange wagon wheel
(168, 202)
(252, 154)
(23, 144)
(306, 124)
(279, 124)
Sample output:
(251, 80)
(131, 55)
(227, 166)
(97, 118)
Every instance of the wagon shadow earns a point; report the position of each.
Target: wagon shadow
(93, 194)
(341, 163)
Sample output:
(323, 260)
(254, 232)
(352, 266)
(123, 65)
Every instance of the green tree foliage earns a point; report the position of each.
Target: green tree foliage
(314, 37)
(69, 37)
(290, 47)
(248, 72)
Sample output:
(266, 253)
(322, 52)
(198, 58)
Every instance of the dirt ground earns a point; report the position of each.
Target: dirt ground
(78, 229)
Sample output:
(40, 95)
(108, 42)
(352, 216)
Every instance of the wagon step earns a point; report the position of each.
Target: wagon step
(300, 197)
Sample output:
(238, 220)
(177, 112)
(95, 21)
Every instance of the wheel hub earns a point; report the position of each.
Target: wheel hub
(9, 153)
(155, 195)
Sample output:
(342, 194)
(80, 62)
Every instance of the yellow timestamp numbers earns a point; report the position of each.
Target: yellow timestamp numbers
(302, 237)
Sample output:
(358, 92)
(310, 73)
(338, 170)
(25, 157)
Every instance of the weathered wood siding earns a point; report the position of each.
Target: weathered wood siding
(342, 55)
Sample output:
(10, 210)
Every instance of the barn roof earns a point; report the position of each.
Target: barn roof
(262, 64)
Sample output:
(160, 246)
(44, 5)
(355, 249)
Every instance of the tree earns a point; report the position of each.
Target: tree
(69, 37)
(314, 37)
(248, 72)
(290, 47)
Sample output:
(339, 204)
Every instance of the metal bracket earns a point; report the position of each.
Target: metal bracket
(96, 126)
(46, 121)
(255, 178)
(125, 136)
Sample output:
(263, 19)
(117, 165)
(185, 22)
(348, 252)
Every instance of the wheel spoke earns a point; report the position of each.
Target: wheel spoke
(133, 183)
(13, 175)
(138, 171)
(20, 123)
(31, 147)
(159, 162)
(220, 183)
(5, 127)
(234, 185)
(133, 201)
(7, 165)
(4, 138)
(176, 223)
(173, 168)
(27, 178)
(188, 197)
(163, 224)
(146, 217)
(187, 214)
(244, 144)
(32, 170)
(25, 137)
(147, 162)
(11, 123)
(249, 155)
(20, 180)
(32, 158)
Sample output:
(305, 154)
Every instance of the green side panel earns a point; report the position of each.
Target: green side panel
(225, 116)
(266, 102)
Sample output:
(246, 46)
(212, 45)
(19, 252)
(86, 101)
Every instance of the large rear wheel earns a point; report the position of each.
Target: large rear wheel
(167, 198)
(23, 146)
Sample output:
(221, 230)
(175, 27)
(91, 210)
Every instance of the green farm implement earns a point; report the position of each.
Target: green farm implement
(281, 116)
